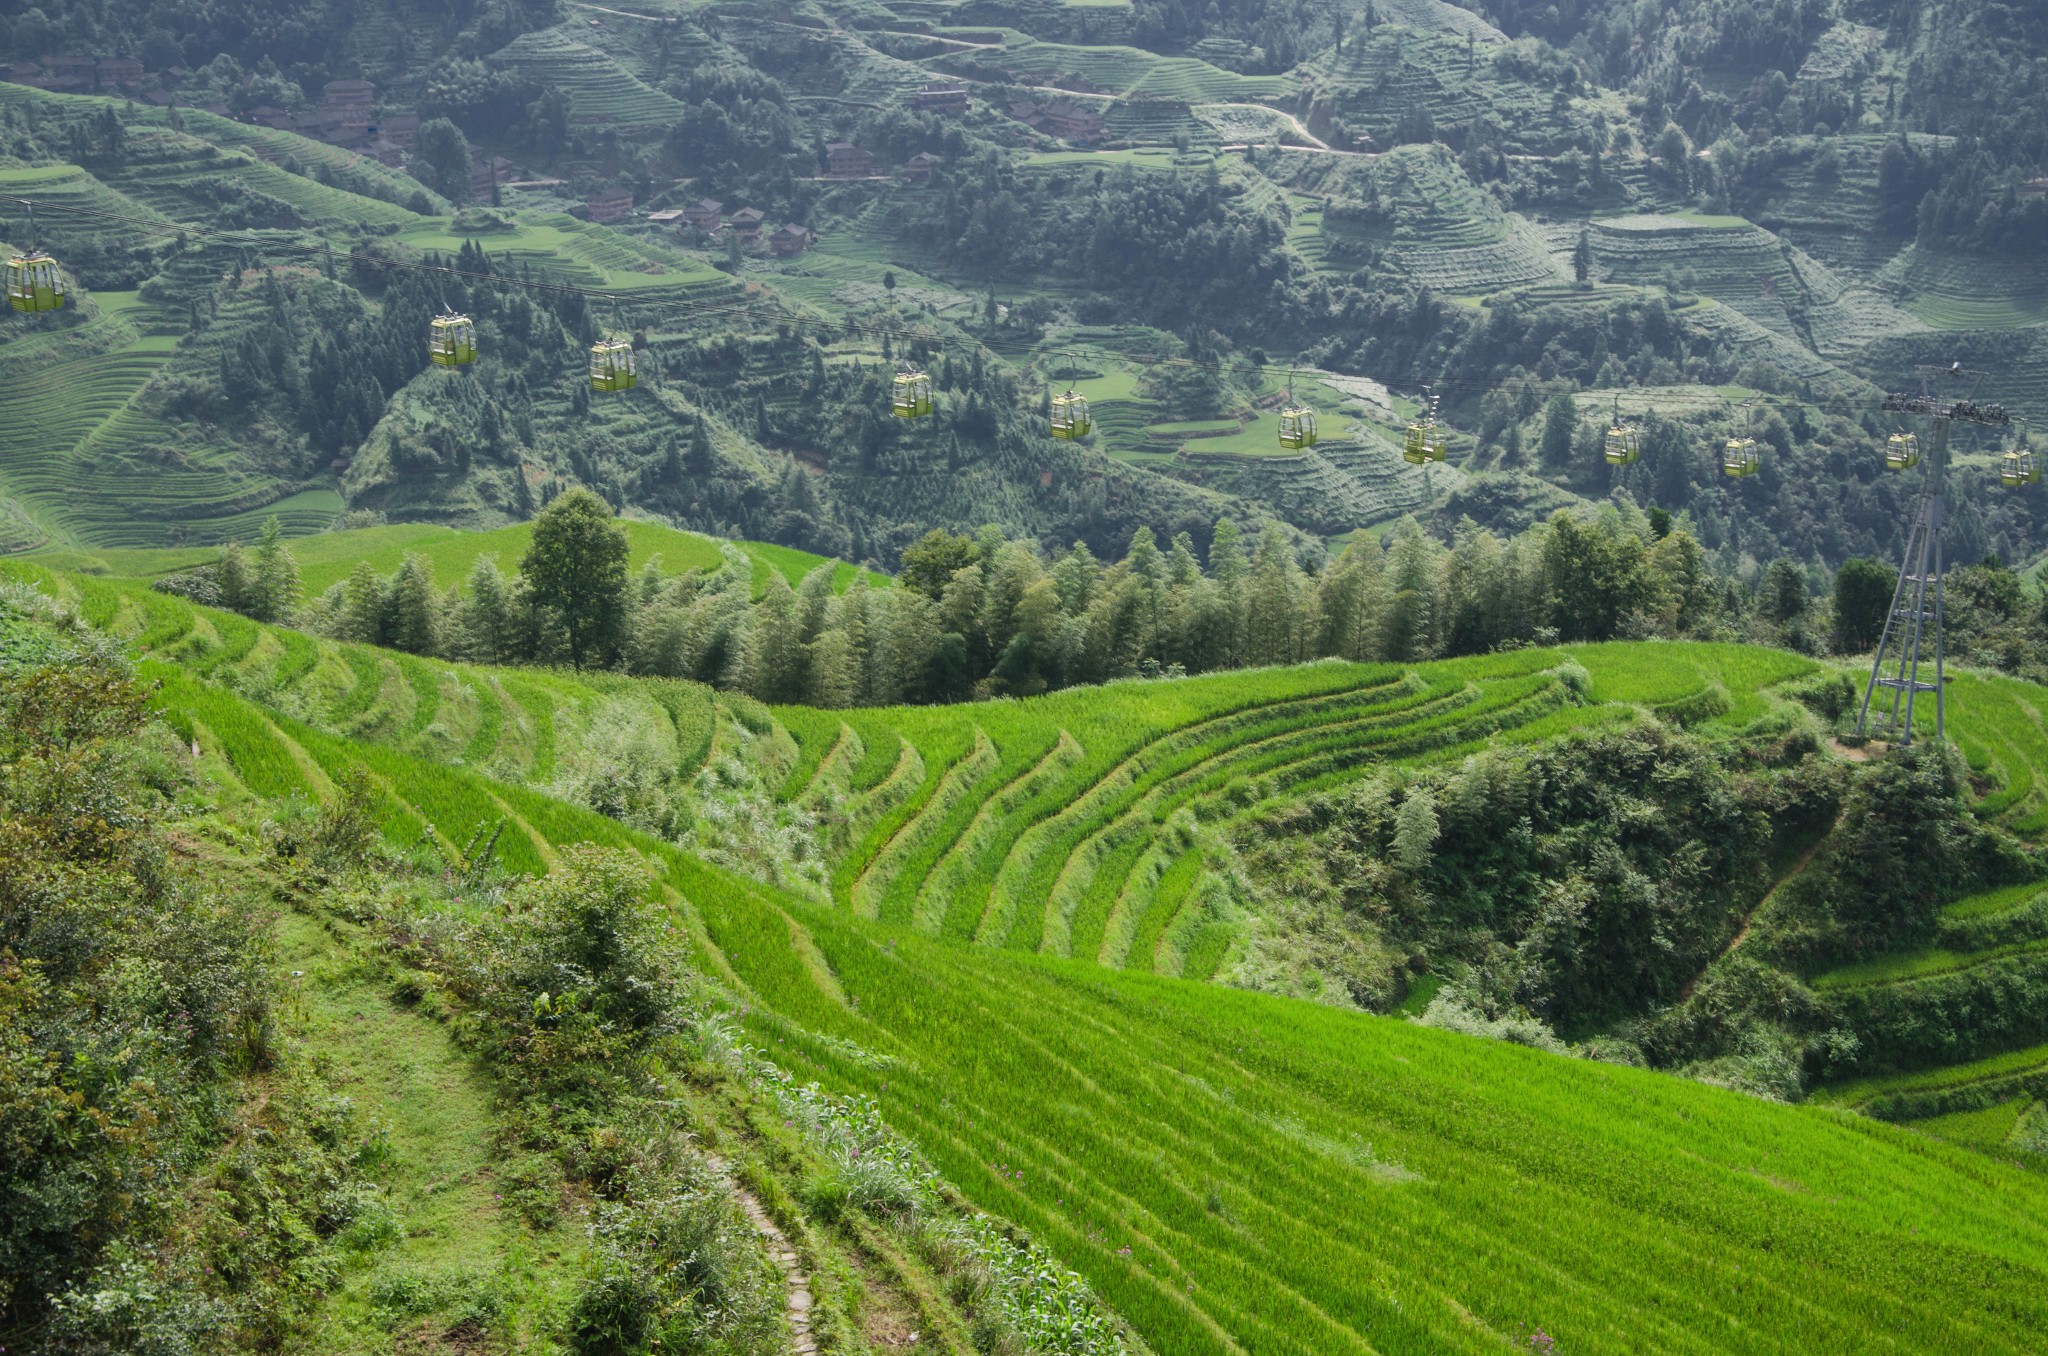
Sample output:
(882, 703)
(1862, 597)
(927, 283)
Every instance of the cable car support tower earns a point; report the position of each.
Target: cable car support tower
(1912, 629)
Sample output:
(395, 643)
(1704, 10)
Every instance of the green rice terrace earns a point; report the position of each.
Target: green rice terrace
(998, 918)
(521, 918)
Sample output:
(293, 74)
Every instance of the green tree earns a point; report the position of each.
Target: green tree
(1596, 578)
(236, 581)
(1415, 833)
(576, 569)
(1862, 596)
(1560, 425)
(276, 576)
(489, 629)
(440, 153)
(1582, 256)
(362, 614)
(929, 563)
(412, 612)
(1784, 591)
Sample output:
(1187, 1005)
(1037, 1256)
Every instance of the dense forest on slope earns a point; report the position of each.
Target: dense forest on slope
(1667, 214)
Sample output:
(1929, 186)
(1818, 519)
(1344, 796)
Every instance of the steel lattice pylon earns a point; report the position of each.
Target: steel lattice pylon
(1912, 629)
(1906, 632)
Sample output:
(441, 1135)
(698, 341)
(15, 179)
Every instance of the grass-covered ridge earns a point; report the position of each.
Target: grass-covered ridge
(325, 558)
(1233, 1170)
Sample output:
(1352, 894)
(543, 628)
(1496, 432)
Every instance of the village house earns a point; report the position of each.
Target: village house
(790, 242)
(705, 214)
(920, 166)
(350, 96)
(400, 129)
(70, 74)
(941, 96)
(844, 160)
(122, 73)
(746, 224)
(487, 173)
(667, 216)
(610, 204)
(349, 107)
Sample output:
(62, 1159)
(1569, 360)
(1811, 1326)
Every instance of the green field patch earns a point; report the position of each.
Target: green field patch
(1994, 902)
(1985, 1128)
(1906, 966)
(1129, 70)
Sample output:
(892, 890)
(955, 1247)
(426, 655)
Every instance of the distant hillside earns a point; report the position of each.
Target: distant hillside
(327, 558)
(1181, 216)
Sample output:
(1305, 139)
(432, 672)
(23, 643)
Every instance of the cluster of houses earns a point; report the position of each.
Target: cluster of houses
(748, 224)
(347, 116)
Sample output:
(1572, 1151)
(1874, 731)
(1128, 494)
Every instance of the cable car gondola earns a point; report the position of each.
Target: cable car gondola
(34, 282)
(1070, 417)
(1901, 452)
(1297, 421)
(911, 394)
(451, 340)
(612, 367)
(1624, 441)
(1297, 427)
(2018, 469)
(1427, 441)
(1739, 457)
(1624, 446)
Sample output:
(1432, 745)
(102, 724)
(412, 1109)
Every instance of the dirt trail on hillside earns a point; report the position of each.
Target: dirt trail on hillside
(1741, 933)
(797, 1303)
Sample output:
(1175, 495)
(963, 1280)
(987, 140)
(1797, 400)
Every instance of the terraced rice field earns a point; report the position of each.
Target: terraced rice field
(1130, 71)
(180, 176)
(1064, 824)
(1741, 266)
(1231, 1171)
(68, 189)
(599, 89)
(1952, 292)
(326, 558)
(1395, 70)
(166, 170)
(562, 249)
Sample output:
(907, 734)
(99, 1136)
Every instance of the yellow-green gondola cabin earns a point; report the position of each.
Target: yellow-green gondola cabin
(910, 395)
(34, 283)
(1297, 427)
(451, 340)
(1070, 418)
(1425, 443)
(612, 367)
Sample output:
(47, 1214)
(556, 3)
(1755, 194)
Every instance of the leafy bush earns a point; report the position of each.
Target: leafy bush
(572, 973)
(1906, 845)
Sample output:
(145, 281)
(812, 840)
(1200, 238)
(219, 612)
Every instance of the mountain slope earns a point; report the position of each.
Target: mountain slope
(1394, 1188)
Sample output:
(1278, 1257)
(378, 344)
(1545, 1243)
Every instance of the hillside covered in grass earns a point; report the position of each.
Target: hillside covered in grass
(1047, 1078)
